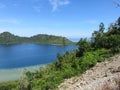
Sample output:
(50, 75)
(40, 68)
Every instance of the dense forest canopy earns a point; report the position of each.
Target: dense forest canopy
(8, 38)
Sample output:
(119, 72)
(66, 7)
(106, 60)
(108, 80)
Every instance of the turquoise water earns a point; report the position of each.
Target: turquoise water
(15, 58)
(14, 74)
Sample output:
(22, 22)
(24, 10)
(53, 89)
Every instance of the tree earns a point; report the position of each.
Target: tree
(117, 3)
(84, 46)
(118, 23)
(24, 84)
(114, 28)
(111, 39)
(96, 36)
(101, 28)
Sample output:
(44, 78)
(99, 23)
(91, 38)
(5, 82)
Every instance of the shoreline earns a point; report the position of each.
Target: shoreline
(15, 73)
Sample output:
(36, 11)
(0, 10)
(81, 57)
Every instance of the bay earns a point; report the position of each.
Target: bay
(14, 59)
(23, 55)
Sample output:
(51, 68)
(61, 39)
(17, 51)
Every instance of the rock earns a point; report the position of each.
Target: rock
(116, 70)
(105, 75)
(119, 69)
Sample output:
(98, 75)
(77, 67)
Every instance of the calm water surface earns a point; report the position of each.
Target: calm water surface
(23, 55)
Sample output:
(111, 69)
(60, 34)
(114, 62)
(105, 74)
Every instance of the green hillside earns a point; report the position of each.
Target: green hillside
(49, 39)
(8, 38)
(102, 46)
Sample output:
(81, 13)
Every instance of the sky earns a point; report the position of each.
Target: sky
(69, 18)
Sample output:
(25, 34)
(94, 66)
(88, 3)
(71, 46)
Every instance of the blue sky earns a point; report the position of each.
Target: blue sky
(69, 18)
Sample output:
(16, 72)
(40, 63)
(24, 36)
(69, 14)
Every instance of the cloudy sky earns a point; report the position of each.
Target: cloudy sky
(70, 18)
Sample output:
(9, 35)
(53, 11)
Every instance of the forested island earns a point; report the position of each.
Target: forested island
(102, 46)
(9, 38)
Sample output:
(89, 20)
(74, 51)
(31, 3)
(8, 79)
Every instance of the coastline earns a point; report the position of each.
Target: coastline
(15, 73)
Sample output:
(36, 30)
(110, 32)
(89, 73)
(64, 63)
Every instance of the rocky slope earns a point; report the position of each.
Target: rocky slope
(103, 76)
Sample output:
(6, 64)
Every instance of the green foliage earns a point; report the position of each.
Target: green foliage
(24, 83)
(9, 85)
(68, 65)
(108, 40)
(83, 46)
(8, 38)
(88, 60)
(74, 63)
(49, 39)
(96, 36)
(101, 28)
(102, 45)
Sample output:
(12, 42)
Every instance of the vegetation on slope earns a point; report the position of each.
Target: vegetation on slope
(102, 45)
(12, 85)
(103, 76)
(8, 38)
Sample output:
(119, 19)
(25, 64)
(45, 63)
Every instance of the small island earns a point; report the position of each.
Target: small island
(9, 38)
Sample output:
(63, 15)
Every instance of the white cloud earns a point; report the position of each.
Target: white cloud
(37, 8)
(9, 21)
(57, 3)
(91, 21)
(38, 4)
(2, 5)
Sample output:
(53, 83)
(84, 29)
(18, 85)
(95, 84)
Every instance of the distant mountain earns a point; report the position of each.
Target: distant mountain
(8, 38)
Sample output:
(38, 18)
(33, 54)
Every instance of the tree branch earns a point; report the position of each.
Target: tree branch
(117, 3)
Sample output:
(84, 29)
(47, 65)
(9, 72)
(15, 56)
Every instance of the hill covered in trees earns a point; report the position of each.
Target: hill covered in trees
(101, 46)
(8, 38)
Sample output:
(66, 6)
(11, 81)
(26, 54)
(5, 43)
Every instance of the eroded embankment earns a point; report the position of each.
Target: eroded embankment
(103, 76)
